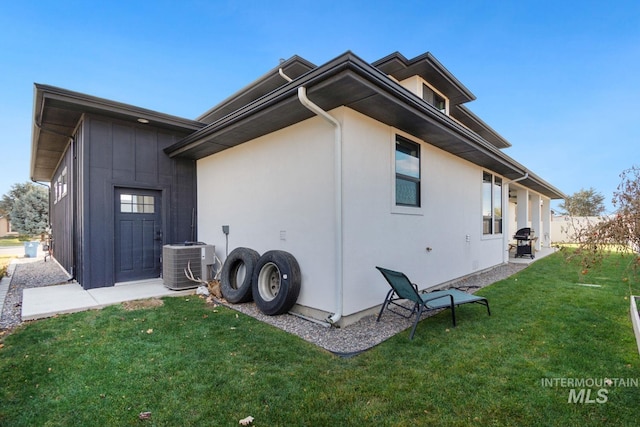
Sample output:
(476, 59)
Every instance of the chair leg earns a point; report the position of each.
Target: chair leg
(385, 304)
(453, 314)
(485, 302)
(415, 323)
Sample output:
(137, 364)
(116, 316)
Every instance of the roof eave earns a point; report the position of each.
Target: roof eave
(469, 119)
(398, 66)
(72, 105)
(293, 67)
(371, 78)
(89, 103)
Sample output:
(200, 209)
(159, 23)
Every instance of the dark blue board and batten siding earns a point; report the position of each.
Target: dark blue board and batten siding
(112, 155)
(62, 212)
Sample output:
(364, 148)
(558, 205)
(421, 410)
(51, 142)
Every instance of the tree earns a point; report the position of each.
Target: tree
(27, 206)
(620, 231)
(584, 203)
(17, 191)
(625, 227)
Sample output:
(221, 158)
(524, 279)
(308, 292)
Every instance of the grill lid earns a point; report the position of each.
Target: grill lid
(523, 234)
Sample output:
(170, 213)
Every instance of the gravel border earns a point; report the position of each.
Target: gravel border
(24, 274)
(366, 332)
(350, 340)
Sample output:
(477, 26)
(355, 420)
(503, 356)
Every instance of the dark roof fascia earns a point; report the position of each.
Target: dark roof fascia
(398, 66)
(293, 67)
(540, 185)
(470, 137)
(376, 79)
(87, 103)
(48, 140)
(288, 90)
(469, 119)
(511, 169)
(401, 68)
(410, 99)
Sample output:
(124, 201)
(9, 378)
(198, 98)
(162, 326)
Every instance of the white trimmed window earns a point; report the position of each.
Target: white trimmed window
(491, 204)
(407, 168)
(60, 186)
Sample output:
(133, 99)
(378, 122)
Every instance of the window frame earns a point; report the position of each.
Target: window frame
(403, 208)
(135, 203)
(60, 186)
(495, 203)
(437, 93)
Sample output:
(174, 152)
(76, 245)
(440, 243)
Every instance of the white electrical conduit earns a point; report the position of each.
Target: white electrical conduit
(337, 171)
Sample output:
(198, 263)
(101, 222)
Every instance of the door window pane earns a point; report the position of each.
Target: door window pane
(133, 203)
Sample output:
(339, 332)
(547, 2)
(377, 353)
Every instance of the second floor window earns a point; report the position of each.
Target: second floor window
(434, 98)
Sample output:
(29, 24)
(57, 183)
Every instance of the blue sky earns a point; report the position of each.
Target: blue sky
(558, 79)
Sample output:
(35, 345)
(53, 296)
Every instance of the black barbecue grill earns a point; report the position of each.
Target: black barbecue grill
(525, 239)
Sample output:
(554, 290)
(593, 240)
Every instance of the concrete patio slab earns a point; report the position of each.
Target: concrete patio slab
(131, 291)
(48, 301)
(528, 260)
(38, 303)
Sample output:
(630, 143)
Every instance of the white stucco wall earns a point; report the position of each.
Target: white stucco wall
(276, 192)
(376, 235)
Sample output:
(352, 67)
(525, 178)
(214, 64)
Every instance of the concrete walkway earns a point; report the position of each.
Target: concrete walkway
(47, 301)
(527, 259)
(38, 303)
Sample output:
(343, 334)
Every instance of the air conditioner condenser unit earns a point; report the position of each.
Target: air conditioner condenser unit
(176, 258)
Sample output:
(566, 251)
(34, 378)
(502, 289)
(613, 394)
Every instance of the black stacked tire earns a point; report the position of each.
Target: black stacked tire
(236, 275)
(276, 282)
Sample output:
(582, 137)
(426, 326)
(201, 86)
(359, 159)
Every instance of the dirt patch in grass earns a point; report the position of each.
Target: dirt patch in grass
(142, 304)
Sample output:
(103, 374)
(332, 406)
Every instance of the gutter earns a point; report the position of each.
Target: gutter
(373, 78)
(526, 175)
(337, 170)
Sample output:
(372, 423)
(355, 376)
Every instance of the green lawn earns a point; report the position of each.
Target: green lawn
(11, 241)
(189, 363)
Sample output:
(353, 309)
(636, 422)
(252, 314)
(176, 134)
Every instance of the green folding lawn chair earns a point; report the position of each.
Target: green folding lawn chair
(403, 289)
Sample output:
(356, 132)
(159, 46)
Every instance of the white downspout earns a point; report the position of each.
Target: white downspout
(284, 76)
(505, 239)
(337, 171)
